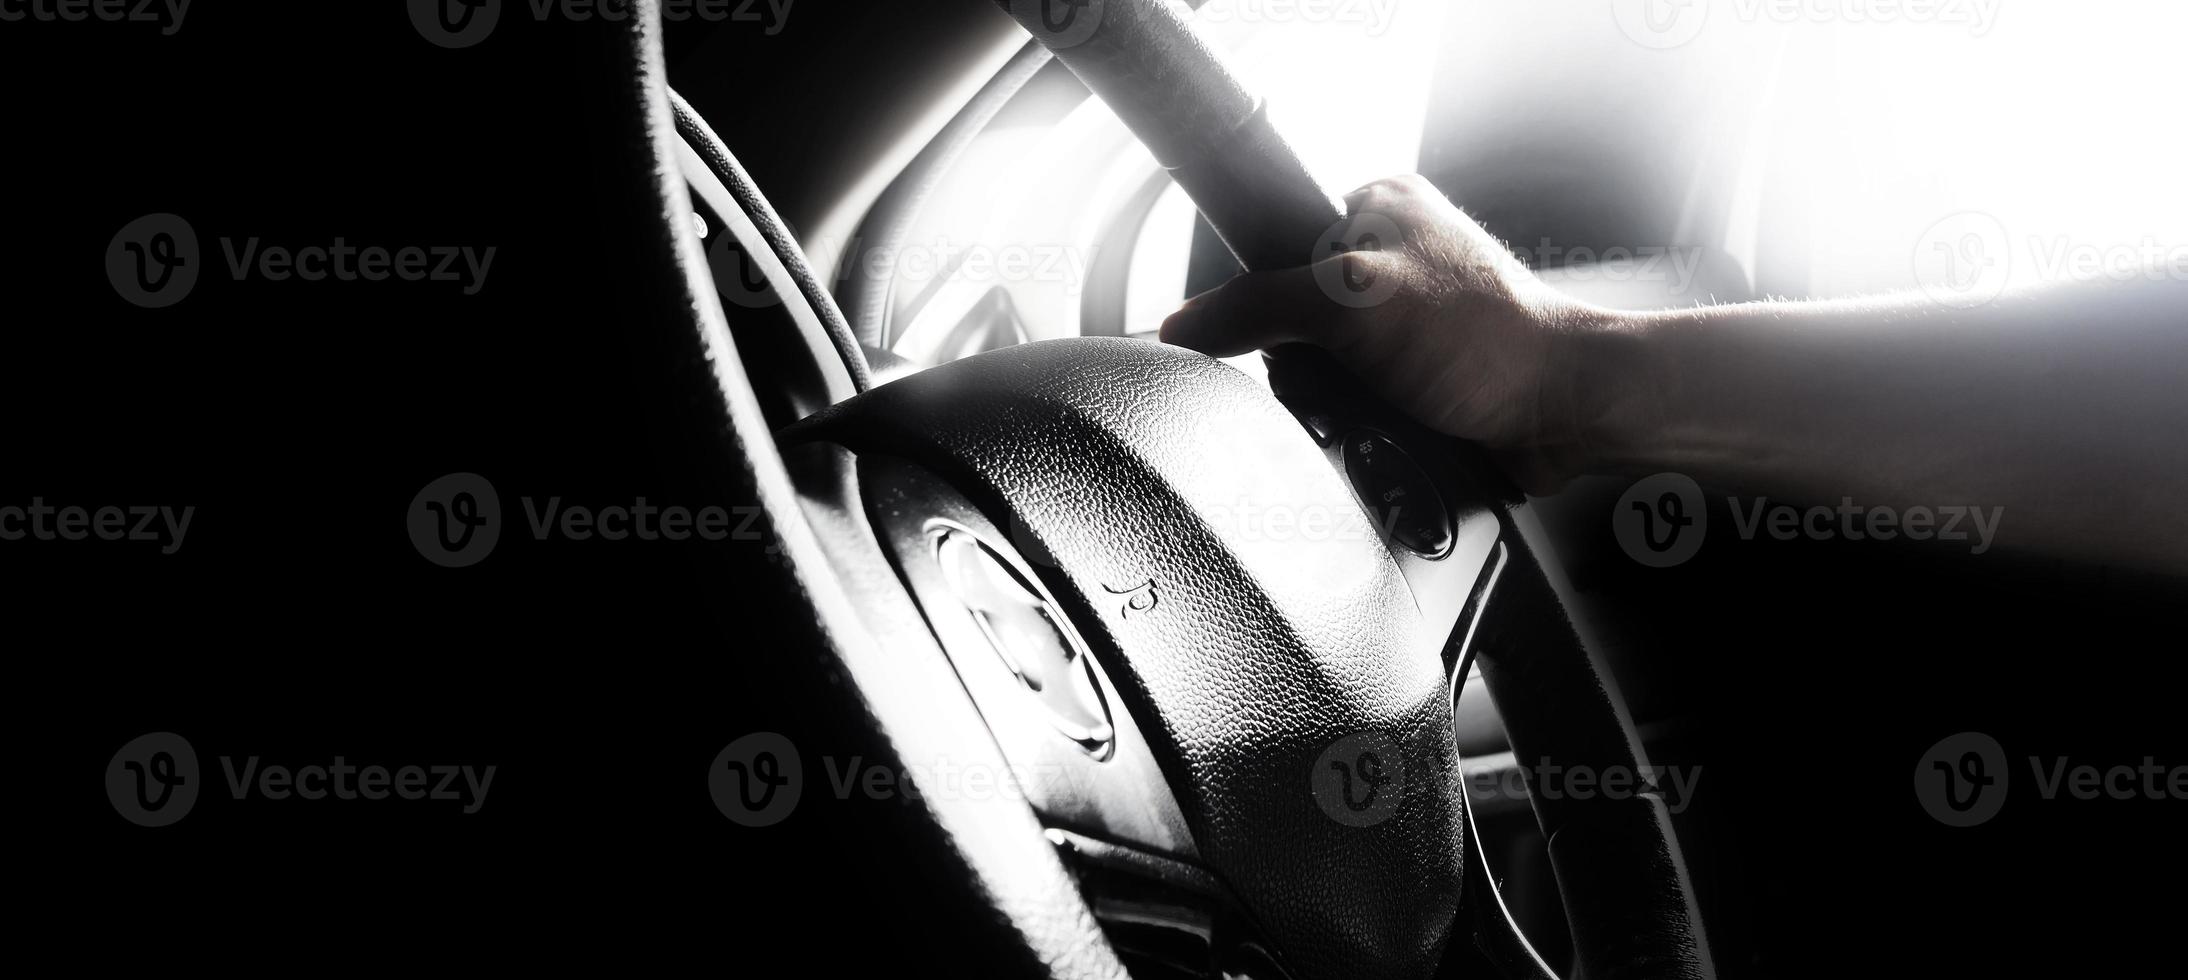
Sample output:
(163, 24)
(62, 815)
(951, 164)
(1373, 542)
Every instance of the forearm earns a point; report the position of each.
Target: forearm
(2060, 406)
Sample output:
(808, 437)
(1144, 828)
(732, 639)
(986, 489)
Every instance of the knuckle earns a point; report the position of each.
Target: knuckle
(1360, 264)
(1399, 187)
(1413, 183)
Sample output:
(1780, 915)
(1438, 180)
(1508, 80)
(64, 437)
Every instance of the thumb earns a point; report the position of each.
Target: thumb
(1252, 311)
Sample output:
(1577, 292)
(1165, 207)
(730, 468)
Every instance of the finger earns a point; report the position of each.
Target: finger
(1314, 305)
(1251, 311)
(1397, 192)
(1436, 230)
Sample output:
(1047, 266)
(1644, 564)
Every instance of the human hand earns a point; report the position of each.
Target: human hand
(1443, 322)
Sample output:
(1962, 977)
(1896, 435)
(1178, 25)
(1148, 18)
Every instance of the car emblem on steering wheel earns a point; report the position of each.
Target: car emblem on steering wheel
(1029, 634)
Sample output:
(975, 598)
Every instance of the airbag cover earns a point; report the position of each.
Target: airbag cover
(1257, 626)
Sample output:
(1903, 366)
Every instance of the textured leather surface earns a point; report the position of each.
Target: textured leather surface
(1130, 464)
(710, 148)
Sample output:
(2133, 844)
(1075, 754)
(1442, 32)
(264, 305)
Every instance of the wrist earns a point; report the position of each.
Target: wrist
(1617, 385)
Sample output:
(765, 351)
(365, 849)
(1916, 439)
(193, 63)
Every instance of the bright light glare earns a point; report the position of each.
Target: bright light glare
(2060, 121)
(1347, 82)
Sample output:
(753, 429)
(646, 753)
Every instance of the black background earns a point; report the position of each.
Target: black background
(297, 622)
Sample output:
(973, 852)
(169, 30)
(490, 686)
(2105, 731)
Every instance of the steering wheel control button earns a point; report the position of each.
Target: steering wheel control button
(1030, 635)
(1399, 493)
(1320, 423)
(1322, 426)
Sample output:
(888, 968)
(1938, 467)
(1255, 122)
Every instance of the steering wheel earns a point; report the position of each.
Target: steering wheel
(1211, 630)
